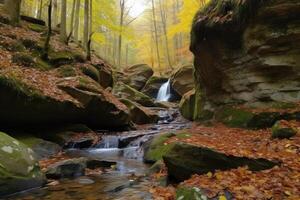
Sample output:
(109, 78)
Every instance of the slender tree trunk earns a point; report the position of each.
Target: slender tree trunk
(156, 34)
(14, 8)
(164, 24)
(40, 10)
(86, 24)
(122, 6)
(47, 42)
(71, 22)
(55, 13)
(63, 21)
(77, 19)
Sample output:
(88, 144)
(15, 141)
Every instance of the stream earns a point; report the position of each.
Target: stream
(127, 180)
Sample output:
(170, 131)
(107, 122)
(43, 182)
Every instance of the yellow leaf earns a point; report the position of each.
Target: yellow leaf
(209, 174)
(222, 197)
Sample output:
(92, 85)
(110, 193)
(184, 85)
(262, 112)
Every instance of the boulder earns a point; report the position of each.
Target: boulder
(136, 76)
(283, 130)
(190, 105)
(42, 148)
(124, 91)
(153, 85)
(105, 75)
(19, 170)
(75, 167)
(247, 52)
(140, 114)
(183, 160)
(182, 80)
(67, 169)
(156, 148)
(65, 100)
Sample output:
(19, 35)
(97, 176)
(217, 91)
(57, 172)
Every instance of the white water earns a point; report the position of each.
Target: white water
(164, 92)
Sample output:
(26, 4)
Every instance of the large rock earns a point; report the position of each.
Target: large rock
(153, 85)
(136, 76)
(182, 80)
(190, 105)
(183, 160)
(124, 91)
(19, 170)
(42, 148)
(247, 51)
(283, 129)
(140, 114)
(105, 75)
(64, 100)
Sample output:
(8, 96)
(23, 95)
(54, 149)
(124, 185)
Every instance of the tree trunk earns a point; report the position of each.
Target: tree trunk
(40, 10)
(164, 23)
(14, 8)
(77, 18)
(122, 7)
(86, 24)
(47, 42)
(71, 22)
(63, 21)
(156, 34)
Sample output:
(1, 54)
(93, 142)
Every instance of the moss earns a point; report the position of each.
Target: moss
(37, 28)
(19, 87)
(127, 92)
(234, 117)
(91, 72)
(24, 59)
(42, 65)
(184, 193)
(67, 71)
(158, 148)
(32, 44)
(282, 132)
(183, 135)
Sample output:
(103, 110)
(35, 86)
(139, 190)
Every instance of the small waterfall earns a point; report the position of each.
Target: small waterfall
(164, 92)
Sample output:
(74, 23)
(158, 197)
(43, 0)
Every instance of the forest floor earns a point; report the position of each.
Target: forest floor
(280, 182)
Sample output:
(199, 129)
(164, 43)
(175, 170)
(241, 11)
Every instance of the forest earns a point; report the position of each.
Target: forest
(150, 99)
(124, 32)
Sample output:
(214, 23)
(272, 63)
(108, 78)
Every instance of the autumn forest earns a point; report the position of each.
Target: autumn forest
(150, 99)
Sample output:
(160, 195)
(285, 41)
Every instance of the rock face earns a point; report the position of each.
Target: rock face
(184, 160)
(182, 80)
(247, 52)
(136, 76)
(19, 170)
(140, 114)
(124, 91)
(65, 100)
(153, 85)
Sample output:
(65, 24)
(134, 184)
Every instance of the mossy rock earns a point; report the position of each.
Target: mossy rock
(139, 114)
(190, 107)
(124, 91)
(61, 58)
(24, 105)
(153, 85)
(185, 193)
(67, 71)
(183, 160)
(32, 45)
(37, 28)
(19, 170)
(136, 76)
(91, 72)
(281, 130)
(155, 149)
(23, 59)
(234, 117)
(42, 148)
(182, 80)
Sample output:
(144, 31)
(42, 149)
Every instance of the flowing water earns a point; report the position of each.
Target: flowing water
(126, 181)
(164, 92)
